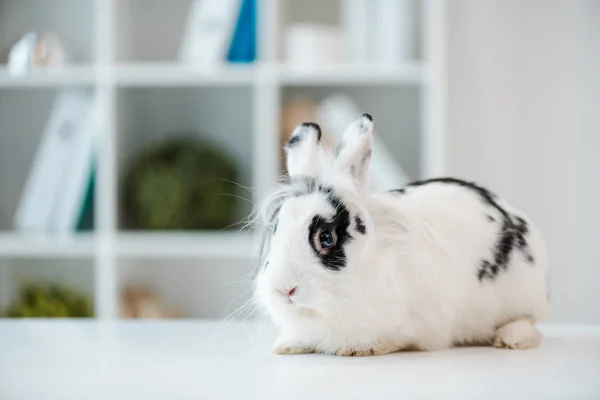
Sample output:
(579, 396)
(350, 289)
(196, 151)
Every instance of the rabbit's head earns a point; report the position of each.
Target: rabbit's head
(318, 231)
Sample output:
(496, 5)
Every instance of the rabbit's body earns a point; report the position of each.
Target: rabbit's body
(436, 264)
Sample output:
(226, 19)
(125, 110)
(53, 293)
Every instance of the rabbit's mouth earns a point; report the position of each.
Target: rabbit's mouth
(295, 306)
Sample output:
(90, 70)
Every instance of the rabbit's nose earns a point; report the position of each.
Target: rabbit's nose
(288, 291)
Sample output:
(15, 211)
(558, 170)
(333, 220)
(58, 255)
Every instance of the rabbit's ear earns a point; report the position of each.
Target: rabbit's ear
(304, 152)
(353, 154)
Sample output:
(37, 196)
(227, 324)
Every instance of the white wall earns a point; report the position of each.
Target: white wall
(524, 118)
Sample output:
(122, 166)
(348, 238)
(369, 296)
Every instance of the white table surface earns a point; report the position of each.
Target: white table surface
(207, 360)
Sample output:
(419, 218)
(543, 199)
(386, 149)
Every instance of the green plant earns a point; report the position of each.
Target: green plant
(181, 184)
(51, 300)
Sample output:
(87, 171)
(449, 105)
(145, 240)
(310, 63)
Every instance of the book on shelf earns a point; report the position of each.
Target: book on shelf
(243, 42)
(379, 31)
(355, 22)
(58, 195)
(392, 30)
(335, 113)
(77, 179)
(219, 31)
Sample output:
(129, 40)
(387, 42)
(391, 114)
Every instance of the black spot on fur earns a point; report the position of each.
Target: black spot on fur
(316, 127)
(360, 226)
(487, 270)
(335, 257)
(363, 128)
(397, 191)
(486, 196)
(512, 234)
(489, 217)
(328, 191)
(521, 230)
(293, 141)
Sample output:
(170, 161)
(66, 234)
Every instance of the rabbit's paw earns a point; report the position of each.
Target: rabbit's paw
(287, 346)
(520, 334)
(377, 350)
(292, 350)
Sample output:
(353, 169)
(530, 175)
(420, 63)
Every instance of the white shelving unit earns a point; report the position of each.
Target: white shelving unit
(126, 54)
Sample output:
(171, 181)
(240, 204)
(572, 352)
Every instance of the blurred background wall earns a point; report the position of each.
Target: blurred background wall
(522, 90)
(524, 118)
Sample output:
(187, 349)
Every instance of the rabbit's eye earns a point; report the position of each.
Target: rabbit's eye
(326, 239)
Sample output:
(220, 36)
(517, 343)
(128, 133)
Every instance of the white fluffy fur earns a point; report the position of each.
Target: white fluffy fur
(410, 282)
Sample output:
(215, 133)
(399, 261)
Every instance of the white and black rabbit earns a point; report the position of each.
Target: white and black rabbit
(438, 263)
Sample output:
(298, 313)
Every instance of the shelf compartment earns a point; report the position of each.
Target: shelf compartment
(220, 116)
(150, 30)
(74, 273)
(72, 20)
(154, 30)
(23, 118)
(206, 288)
(330, 13)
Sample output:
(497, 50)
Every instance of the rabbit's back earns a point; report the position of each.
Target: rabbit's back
(471, 261)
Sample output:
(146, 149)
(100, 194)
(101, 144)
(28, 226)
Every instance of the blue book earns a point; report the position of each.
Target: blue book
(243, 43)
(85, 221)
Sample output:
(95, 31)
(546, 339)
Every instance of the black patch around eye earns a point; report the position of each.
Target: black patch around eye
(360, 226)
(333, 258)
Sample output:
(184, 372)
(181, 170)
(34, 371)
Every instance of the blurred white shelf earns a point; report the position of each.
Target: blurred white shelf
(173, 74)
(409, 73)
(39, 246)
(49, 77)
(185, 245)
